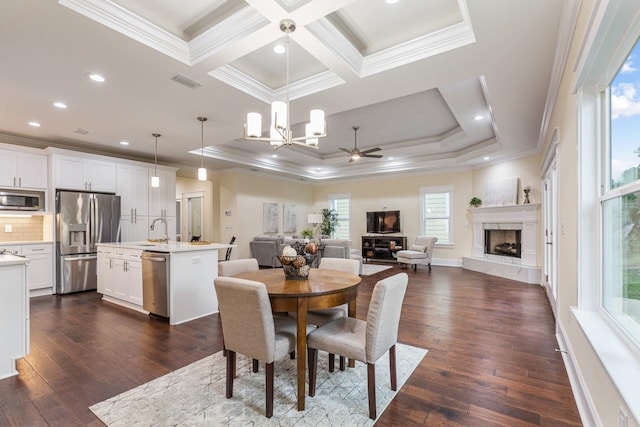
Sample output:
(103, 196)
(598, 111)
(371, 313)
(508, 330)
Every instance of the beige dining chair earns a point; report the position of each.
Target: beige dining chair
(249, 328)
(324, 316)
(237, 266)
(364, 341)
(231, 268)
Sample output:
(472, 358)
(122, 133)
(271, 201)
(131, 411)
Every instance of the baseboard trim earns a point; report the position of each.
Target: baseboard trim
(586, 408)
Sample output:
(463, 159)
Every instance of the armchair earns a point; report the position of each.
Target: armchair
(265, 249)
(419, 253)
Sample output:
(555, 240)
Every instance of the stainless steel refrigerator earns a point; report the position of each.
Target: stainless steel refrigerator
(83, 220)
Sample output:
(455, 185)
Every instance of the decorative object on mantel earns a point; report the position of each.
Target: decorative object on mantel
(475, 202)
(502, 193)
(280, 130)
(526, 190)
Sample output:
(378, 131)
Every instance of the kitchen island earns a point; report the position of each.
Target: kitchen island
(14, 313)
(192, 269)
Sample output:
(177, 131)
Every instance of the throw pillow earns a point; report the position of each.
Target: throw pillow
(418, 248)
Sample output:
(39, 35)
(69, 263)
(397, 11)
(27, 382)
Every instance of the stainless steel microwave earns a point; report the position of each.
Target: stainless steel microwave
(15, 200)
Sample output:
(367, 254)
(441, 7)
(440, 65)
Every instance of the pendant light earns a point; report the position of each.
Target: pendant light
(155, 180)
(202, 172)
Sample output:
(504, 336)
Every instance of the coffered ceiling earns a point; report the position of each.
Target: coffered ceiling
(414, 75)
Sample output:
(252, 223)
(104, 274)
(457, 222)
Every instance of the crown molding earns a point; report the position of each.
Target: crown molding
(123, 21)
(324, 31)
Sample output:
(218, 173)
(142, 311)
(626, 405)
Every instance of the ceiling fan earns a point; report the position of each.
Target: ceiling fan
(355, 154)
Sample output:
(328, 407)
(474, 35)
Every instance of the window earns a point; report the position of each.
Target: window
(436, 213)
(620, 201)
(341, 203)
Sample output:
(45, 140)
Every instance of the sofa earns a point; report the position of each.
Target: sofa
(266, 248)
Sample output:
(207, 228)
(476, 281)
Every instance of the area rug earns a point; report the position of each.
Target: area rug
(369, 269)
(195, 395)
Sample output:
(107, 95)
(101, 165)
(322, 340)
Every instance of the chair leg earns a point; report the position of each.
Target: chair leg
(392, 368)
(429, 266)
(312, 361)
(256, 365)
(332, 362)
(342, 364)
(371, 383)
(269, 388)
(415, 267)
(231, 369)
(292, 355)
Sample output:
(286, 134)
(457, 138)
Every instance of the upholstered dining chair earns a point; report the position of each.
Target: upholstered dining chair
(365, 341)
(322, 317)
(237, 266)
(250, 328)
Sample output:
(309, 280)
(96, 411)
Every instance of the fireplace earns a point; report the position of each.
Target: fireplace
(503, 239)
(505, 242)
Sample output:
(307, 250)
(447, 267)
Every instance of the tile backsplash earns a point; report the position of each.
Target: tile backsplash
(22, 228)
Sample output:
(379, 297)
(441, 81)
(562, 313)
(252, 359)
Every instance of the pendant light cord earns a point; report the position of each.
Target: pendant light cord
(202, 144)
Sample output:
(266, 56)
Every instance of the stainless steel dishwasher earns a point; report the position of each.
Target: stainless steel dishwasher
(155, 282)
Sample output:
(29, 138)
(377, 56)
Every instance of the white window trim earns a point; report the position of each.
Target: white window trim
(334, 196)
(438, 189)
(600, 56)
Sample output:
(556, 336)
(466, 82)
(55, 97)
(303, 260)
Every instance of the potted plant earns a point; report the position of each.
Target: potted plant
(307, 233)
(329, 221)
(475, 202)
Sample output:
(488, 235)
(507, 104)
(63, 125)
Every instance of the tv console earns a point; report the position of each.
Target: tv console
(382, 248)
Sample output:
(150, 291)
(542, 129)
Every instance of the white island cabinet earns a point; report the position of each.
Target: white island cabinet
(192, 269)
(14, 313)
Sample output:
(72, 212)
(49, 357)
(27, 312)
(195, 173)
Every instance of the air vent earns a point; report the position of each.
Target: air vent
(81, 131)
(186, 81)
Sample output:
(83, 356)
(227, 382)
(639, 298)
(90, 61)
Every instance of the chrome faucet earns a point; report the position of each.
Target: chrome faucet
(165, 239)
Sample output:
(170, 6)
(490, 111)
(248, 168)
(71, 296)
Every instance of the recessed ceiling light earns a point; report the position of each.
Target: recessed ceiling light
(59, 104)
(274, 155)
(478, 117)
(390, 158)
(391, 1)
(487, 158)
(124, 142)
(34, 124)
(96, 78)
(279, 49)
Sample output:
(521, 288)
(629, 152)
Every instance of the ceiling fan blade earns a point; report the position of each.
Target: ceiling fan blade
(345, 150)
(370, 150)
(375, 156)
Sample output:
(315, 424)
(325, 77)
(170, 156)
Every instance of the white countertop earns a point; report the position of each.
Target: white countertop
(26, 242)
(167, 247)
(12, 260)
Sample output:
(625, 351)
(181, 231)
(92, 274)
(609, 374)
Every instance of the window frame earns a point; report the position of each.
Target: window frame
(340, 196)
(437, 190)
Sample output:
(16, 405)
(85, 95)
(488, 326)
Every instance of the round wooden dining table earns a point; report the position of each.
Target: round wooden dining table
(322, 289)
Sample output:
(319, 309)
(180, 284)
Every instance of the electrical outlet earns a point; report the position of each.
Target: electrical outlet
(623, 419)
(8, 228)
(196, 260)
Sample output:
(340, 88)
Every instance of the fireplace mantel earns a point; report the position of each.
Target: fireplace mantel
(524, 269)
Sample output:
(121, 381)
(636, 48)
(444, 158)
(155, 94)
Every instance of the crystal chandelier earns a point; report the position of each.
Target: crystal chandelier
(280, 130)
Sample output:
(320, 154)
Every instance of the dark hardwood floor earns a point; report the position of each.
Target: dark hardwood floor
(491, 359)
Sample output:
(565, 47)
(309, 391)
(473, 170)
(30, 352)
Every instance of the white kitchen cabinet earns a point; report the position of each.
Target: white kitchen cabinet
(132, 185)
(14, 314)
(134, 229)
(106, 272)
(86, 174)
(120, 274)
(40, 278)
(162, 199)
(23, 170)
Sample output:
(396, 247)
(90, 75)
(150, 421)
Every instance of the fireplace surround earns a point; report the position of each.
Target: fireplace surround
(505, 242)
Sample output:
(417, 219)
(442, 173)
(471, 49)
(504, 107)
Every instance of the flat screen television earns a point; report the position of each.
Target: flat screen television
(383, 222)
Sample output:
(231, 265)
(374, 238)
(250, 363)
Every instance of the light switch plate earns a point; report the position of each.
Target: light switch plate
(8, 228)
